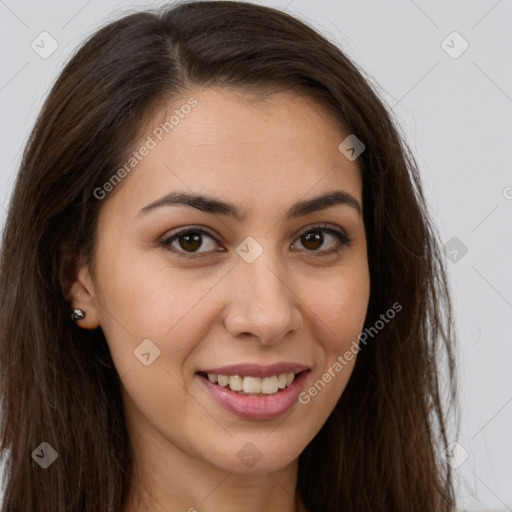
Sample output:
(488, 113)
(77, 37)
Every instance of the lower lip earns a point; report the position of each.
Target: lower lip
(257, 407)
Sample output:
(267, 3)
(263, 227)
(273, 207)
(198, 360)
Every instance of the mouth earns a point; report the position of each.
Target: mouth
(255, 392)
(251, 385)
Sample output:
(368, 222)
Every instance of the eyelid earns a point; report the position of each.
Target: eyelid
(168, 238)
(338, 232)
(343, 239)
(186, 229)
(330, 228)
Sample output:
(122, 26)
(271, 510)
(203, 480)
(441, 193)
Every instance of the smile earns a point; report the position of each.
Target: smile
(255, 392)
(253, 385)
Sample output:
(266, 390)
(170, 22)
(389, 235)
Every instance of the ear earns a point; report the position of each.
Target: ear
(78, 289)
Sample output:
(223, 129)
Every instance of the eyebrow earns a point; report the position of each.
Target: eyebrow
(215, 206)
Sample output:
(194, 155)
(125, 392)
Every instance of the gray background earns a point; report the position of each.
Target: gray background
(455, 113)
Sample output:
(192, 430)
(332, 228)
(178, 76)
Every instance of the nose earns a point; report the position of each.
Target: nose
(261, 301)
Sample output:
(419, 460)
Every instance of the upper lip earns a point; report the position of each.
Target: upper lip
(257, 370)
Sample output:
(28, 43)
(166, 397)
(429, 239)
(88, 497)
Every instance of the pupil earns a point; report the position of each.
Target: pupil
(312, 237)
(192, 241)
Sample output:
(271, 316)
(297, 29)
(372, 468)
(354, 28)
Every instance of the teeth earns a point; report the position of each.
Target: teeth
(269, 385)
(253, 385)
(236, 383)
(223, 380)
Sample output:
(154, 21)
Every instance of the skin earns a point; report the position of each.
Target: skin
(290, 304)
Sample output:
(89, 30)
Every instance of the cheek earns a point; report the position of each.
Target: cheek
(147, 308)
(337, 314)
(141, 298)
(339, 309)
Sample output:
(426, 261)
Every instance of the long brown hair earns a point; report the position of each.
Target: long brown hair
(380, 448)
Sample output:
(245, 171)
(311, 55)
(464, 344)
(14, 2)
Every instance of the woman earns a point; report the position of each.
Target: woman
(221, 287)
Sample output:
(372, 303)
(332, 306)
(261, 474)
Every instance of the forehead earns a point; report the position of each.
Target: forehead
(248, 147)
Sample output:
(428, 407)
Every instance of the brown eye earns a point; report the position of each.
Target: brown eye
(313, 239)
(190, 241)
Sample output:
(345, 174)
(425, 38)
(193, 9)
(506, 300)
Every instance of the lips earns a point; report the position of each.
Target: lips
(256, 370)
(253, 391)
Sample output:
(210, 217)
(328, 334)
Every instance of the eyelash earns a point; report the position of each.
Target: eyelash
(344, 240)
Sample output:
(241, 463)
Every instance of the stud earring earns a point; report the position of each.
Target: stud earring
(78, 314)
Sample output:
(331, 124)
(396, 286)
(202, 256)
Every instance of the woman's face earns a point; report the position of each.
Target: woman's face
(266, 288)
